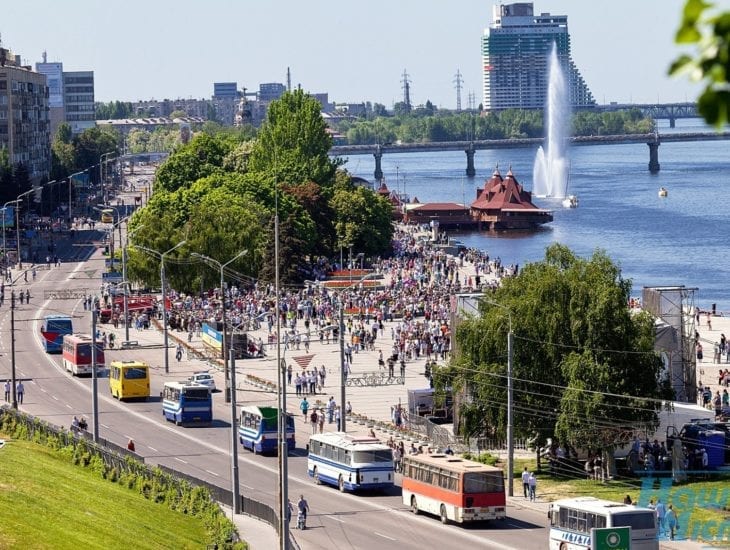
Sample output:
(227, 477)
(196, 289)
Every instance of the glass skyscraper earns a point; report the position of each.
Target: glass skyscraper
(515, 56)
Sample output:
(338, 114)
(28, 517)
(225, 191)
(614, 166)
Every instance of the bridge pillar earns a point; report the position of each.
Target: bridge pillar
(653, 157)
(470, 170)
(378, 154)
(672, 122)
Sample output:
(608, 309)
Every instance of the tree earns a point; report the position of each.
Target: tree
(577, 349)
(201, 157)
(710, 32)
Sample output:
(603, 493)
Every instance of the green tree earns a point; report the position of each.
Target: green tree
(201, 157)
(576, 348)
(709, 31)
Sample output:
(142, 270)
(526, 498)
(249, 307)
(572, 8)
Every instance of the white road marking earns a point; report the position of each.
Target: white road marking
(54, 397)
(213, 473)
(180, 460)
(105, 426)
(153, 449)
(247, 487)
(335, 519)
(384, 536)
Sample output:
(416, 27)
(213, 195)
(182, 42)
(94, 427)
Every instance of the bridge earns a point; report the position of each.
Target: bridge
(671, 111)
(470, 147)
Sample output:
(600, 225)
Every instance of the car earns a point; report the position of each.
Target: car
(203, 378)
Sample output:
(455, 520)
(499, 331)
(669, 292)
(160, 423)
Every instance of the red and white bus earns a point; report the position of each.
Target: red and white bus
(77, 354)
(453, 488)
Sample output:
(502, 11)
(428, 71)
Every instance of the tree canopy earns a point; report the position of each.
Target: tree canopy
(583, 368)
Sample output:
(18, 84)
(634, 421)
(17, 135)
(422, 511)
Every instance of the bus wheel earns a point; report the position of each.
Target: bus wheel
(315, 475)
(341, 484)
(444, 517)
(414, 505)
(563, 546)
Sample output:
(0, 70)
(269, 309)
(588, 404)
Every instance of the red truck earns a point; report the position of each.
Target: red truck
(135, 304)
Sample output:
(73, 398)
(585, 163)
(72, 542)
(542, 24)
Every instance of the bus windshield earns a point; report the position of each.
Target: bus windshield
(484, 482)
(372, 456)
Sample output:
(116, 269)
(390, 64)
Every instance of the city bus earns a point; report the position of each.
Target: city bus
(350, 462)
(453, 488)
(258, 429)
(185, 404)
(572, 519)
(77, 354)
(107, 215)
(129, 379)
(53, 329)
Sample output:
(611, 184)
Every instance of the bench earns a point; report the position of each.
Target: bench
(130, 344)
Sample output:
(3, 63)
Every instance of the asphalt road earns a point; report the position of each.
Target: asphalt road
(337, 520)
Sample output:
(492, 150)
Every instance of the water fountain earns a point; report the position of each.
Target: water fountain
(550, 170)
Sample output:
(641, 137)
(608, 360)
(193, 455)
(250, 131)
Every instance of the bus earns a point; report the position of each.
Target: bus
(77, 354)
(129, 379)
(107, 215)
(453, 488)
(350, 462)
(258, 429)
(185, 404)
(572, 519)
(53, 329)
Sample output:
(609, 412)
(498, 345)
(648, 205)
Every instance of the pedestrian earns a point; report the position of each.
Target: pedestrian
(304, 407)
(179, 352)
(314, 420)
(661, 512)
(526, 482)
(289, 372)
(320, 418)
(671, 518)
(8, 388)
(19, 391)
(532, 481)
(130, 446)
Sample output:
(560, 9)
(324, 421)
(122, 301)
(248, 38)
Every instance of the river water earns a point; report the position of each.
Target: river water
(681, 239)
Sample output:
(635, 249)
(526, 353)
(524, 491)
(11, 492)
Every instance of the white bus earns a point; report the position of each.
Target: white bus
(350, 462)
(572, 519)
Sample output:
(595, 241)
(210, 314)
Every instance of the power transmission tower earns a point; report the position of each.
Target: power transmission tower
(471, 102)
(457, 84)
(406, 85)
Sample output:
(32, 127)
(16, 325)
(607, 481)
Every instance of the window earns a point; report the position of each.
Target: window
(135, 373)
(635, 520)
(373, 456)
(485, 482)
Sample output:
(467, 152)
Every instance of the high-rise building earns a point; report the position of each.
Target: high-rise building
(78, 100)
(225, 89)
(270, 91)
(515, 58)
(24, 117)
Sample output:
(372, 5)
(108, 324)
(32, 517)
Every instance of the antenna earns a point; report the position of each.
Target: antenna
(406, 85)
(457, 84)
(288, 80)
(43, 55)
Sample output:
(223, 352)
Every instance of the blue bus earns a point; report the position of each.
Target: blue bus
(258, 429)
(53, 329)
(187, 404)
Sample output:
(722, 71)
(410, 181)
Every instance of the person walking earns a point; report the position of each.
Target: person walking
(302, 511)
(304, 407)
(526, 482)
(20, 391)
(532, 481)
(661, 513)
(8, 388)
(672, 520)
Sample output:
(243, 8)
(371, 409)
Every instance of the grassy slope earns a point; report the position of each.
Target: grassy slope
(46, 502)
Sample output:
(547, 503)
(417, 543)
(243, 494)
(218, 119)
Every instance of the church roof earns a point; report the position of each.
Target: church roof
(503, 193)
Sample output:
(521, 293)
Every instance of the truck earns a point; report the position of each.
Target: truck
(135, 304)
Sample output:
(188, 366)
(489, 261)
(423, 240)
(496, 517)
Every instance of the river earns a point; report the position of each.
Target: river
(681, 239)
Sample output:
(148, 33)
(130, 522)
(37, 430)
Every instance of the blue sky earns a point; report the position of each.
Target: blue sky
(356, 51)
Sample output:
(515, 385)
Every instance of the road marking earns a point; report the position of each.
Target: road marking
(44, 390)
(213, 473)
(247, 487)
(69, 406)
(153, 449)
(384, 536)
(54, 397)
(180, 460)
(335, 519)
(105, 426)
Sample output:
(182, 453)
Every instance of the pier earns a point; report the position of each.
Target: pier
(470, 147)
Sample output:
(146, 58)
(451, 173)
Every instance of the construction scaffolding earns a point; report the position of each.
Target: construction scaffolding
(674, 309)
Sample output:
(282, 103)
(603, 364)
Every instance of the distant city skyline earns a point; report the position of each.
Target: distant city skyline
(354, 52)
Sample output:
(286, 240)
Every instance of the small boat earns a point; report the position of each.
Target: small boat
(663, 192)
(571, 201)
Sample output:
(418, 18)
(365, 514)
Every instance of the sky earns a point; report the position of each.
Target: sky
(355, 51)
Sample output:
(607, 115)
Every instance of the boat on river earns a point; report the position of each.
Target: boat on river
(663, 192)
(571, 201)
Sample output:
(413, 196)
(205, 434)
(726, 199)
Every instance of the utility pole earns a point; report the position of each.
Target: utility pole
(234, 434)
(343, 369)
(458, 84)
(406, 85)
(12, 346)
(94, 377)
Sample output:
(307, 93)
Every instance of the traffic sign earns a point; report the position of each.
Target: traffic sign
(611, 538)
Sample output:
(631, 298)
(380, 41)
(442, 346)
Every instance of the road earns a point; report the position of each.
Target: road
(337, 520)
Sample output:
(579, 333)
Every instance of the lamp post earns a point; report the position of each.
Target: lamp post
(17, 224)
(70, 183)
(125, 282)
(102, 162)
(223, 304)
(161, 256)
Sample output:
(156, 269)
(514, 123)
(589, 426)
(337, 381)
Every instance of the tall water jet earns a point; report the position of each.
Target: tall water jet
(550, 170)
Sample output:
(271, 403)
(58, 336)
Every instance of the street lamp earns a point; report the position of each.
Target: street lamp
(223, 303)
(102, 162)
(70, 183)
(5, 206)
(161, 256)
(125, 282)
(17, 226)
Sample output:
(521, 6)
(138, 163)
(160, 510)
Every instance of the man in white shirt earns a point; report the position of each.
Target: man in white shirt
(526, 481)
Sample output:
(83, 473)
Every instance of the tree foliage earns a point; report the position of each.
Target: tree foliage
(202, 157)
(709, 31)
(576, 348)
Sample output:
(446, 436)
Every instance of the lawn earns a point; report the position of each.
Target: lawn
(703, 506)
(46, 502)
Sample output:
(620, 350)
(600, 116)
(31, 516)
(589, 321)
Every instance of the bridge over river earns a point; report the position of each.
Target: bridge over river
(470, 147)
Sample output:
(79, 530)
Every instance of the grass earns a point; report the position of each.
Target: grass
(46, 502)
(703, 506)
